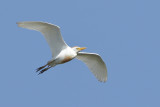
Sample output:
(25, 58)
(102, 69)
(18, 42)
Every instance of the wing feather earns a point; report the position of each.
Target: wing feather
(51, 33)
(95, 64)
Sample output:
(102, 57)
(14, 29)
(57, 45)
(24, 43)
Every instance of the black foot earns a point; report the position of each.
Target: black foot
(43, 70)
(40, 68)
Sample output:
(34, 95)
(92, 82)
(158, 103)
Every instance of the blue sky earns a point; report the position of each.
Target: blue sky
(124, 32)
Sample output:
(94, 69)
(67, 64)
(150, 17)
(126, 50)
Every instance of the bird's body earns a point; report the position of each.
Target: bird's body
(62, 53)
(65, 56)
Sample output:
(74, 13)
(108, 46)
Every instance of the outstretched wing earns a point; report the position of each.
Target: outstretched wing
(95, 64)
(51, 33)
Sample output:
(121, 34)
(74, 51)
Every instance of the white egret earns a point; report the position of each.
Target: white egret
(62, 53)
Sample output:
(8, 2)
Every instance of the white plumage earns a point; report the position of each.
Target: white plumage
(62, 53)
(95, 64)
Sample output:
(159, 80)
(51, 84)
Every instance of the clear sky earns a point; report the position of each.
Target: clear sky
(126, 33)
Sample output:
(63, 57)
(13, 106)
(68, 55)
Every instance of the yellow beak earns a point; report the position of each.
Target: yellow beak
(82, 48)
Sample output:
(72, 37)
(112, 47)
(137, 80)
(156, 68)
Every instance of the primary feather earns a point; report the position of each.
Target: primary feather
(51, 33)
(95, 64)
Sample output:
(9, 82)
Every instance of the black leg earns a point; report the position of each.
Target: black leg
(45, 69)
(40, 68)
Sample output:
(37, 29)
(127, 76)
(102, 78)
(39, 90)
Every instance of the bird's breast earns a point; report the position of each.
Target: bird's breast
(66, 56)
(66, 59)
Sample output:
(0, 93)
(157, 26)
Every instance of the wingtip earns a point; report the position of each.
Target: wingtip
(103, 81)
(18, 24)
(21, 24)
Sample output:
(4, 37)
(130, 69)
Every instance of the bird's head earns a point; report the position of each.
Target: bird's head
(78, 49)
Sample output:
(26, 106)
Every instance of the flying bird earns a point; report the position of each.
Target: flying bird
(62, 53)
